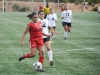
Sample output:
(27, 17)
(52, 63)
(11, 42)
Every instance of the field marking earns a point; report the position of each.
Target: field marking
(82, 49)
(74, 50)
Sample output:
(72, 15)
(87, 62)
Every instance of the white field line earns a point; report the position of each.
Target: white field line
(73, 50)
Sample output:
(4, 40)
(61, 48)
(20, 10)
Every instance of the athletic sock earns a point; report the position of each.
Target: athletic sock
(50, 55)
(41, 59)
(65, 33)
(26, 55)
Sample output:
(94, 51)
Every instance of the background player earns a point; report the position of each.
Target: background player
(40, 7)
(62, 8)
(35, 30)
(45, 25)
(66, 20)
(46, 10)
(52, 18)
(99, 11)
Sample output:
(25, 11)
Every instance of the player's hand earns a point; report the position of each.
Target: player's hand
(50, 36)
(62, 17)
(57, 33)
(22, 43)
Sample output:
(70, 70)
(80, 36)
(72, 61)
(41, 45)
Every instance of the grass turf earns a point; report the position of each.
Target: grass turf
(79, 55)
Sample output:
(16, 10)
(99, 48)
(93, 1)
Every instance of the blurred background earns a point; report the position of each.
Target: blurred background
(30, 5)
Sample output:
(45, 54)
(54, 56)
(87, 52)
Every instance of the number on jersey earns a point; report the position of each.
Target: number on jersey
(67, 14)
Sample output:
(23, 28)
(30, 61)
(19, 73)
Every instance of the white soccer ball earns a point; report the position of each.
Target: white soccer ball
(37, 66)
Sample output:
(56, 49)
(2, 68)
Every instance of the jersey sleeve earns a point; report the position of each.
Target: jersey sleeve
(47, 17)
(56, 17)
(71, 12)
(48, 23)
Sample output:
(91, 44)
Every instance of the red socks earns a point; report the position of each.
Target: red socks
(26, 55)
(41, 59)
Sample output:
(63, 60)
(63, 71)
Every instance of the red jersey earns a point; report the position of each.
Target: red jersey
(62, 9)
(35, 30)
(41, 7)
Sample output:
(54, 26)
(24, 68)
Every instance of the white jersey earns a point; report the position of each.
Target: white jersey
(52, 18)
(67, 16)
(99, 9)
(45, 25)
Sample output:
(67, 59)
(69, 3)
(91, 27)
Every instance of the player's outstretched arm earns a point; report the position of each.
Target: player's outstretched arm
(48, 35)
(53, 30)
(23, 35)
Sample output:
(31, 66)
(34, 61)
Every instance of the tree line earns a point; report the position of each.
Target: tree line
(62, 1)
(73, 1)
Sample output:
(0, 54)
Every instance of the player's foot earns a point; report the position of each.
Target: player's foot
(65, 38)
(21, 58)
(42, 70)
(51, 63)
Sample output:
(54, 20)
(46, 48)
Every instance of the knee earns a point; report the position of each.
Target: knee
(41, 53)
(69, 30)
(32, 55)
(48, 48)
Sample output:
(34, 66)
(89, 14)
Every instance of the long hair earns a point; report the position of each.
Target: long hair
(31, 15)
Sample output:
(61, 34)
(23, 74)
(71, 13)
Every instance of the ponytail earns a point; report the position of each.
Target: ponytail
(31, 15)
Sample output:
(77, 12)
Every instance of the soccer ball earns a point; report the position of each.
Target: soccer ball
(37, 66)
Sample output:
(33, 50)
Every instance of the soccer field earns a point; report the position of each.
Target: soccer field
(79, 55)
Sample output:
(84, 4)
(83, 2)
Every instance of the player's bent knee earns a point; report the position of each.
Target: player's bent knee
(32, 55)
(41, 53)
(48, 48)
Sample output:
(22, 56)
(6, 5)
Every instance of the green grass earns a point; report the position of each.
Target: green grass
(79, 55)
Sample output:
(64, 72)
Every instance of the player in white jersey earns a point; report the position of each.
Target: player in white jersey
(99, 11)
(52, 18)
(45, 25)
(66, 20)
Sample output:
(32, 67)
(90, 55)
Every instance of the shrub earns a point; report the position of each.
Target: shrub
(89, 2)
(76, 2)
(92, 4)
(23, 9)
(95, 9)
(15, 7)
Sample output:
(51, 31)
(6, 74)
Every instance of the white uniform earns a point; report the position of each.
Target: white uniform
(99, 9)
(52, 18)
(45, 25)
(67, 16)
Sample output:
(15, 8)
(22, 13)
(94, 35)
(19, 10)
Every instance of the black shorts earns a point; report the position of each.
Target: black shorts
(65, 23)
(53, 27)
(46, 39)
(98, 12)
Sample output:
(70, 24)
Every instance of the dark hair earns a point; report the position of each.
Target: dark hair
(40, 11)
(31, 15)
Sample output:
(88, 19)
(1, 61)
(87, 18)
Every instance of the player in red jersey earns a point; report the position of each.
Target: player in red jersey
(41, 7)
(62, 9)
(36, 41)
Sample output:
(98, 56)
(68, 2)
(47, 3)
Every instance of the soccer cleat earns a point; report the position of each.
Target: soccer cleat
(65, 38)
(21, 58)
(42, 70)
(51, 63)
